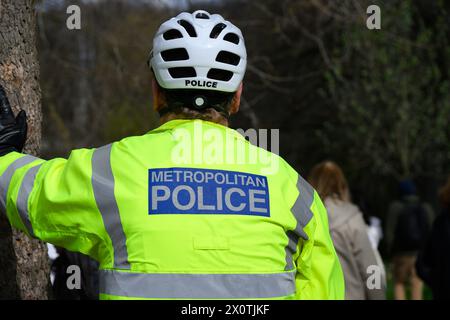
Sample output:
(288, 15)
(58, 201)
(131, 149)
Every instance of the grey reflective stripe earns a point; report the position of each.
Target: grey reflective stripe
(303, 214)
(24, 195)
(103, 186)
(6, 177)
(196, 286)
(291, 249)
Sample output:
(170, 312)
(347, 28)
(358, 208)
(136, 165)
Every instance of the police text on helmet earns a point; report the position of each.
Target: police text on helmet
(201, 84)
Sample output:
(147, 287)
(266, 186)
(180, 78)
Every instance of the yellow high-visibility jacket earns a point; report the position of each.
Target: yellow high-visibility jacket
(189, 210)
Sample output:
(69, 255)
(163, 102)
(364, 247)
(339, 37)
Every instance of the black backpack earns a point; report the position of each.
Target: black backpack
(412, 228)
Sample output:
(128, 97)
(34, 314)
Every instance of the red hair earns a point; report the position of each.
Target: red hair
(329, 181)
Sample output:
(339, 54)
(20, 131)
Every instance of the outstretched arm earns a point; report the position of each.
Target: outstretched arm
(49, 200)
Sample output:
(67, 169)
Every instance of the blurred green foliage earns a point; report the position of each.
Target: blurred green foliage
(392, 95)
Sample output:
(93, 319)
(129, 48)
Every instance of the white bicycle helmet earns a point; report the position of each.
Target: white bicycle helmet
(199, 51)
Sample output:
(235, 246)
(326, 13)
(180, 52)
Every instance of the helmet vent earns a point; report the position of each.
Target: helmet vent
(182, 72)
(215, 32)
(202, 15)
(172, 34)
(221, 75)
(179, 54)
(231, 37)
(228, 58)
(189, 27)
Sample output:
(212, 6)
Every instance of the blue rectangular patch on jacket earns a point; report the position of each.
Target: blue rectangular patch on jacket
(206, 191)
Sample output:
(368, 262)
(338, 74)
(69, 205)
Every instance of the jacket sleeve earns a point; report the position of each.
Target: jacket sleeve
(319, 274)
(53, 200)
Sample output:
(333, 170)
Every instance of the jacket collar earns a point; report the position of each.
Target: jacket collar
(173, 124)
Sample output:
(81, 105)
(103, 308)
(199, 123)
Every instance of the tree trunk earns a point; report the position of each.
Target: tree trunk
(24, 265)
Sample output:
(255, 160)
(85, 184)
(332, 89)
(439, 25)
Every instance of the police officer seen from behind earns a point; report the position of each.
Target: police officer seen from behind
(189, 210)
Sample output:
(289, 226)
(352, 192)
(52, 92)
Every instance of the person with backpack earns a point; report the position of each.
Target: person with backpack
(407, 227)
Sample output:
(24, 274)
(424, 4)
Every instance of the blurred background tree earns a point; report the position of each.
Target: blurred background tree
(24, 263)
(391, 91)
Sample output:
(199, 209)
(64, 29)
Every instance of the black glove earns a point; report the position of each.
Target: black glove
(13, 131)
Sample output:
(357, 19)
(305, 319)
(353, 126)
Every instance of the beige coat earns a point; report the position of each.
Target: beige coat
(349, 233)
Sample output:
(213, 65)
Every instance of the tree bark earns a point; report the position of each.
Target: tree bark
(24, 264)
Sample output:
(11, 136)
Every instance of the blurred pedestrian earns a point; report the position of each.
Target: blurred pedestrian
(433, 263)
(373, 223)
(408, 224)
(349, 233)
